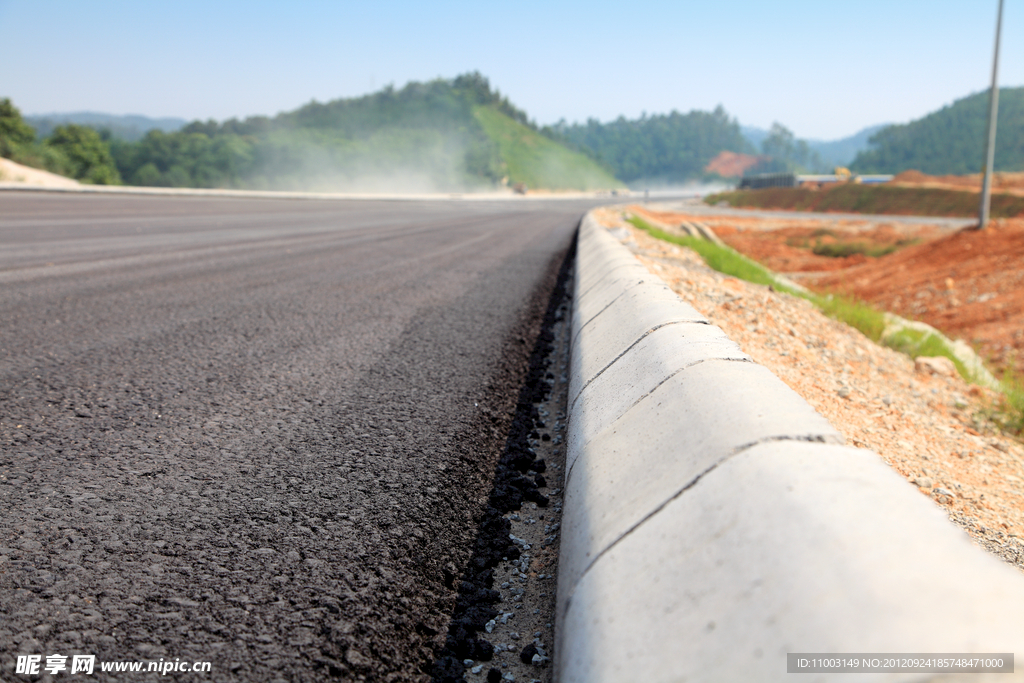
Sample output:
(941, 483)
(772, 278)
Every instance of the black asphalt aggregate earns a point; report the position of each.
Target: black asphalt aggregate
(255, 432)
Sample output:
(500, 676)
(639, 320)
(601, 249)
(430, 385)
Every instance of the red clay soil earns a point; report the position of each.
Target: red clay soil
(968, 284)
(1008, 183)
(791, 249)
(878, 199)
(786, 245)
(731, 164)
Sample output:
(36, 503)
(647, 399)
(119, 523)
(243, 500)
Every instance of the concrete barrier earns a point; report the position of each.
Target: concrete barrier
(714, 522)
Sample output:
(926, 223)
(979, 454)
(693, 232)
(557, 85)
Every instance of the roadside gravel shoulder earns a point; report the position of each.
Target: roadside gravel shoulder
(928, 427)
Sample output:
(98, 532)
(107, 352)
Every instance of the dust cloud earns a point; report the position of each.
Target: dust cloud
(409, 162)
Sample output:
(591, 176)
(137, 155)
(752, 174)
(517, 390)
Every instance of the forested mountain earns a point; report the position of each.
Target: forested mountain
(70, 150)
(130, 127)
(422, 137)
(842, 152)
(445, 135)
(831, 153)
(460, 134)
(950, 140)
(659, 149)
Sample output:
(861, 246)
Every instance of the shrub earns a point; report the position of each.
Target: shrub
(88, 155)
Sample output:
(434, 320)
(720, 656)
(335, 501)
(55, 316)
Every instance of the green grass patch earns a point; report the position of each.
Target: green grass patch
(857, 314)
(723, 259)
(837, 248)
(916, 343)
(844, 249)
(537, 161)
(1012, 417)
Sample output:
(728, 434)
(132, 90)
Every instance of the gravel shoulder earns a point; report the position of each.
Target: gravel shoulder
(928, 427)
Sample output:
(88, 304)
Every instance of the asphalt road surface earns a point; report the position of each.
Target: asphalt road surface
(254, 432)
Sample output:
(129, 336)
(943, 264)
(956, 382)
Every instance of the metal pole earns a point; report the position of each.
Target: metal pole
(993, 111)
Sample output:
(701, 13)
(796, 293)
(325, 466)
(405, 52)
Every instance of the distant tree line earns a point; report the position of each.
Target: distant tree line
(422, 124)
(951, 140)
(783, 152)
(125, 127)
(73, 151)
(426, 127)
(666, 147)
(675, 147)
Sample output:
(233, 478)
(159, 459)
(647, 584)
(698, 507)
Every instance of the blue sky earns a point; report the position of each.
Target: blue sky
(824, 69)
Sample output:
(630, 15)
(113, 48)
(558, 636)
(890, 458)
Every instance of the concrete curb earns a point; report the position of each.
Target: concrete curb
(714, 522)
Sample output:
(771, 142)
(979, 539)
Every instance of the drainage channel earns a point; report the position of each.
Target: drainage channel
(503, 628)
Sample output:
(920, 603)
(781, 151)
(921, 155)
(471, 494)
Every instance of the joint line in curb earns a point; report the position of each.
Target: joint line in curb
(602, 278)
(655, 387)
(568, 474)
(808, 438)
(603, 309)
(630, 347)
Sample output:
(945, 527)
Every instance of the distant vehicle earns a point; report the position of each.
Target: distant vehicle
(519, 188)
(763, 180)
(842, 175)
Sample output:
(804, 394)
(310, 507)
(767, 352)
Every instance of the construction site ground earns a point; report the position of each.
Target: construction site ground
(969, 284)
(930, 428)
(1006, 183)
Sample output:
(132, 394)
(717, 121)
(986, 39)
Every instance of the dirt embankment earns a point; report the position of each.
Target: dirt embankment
(969, 284)
(15, 173)
(1004, 183)
(928, 427)
(732, 164)
(895, 199)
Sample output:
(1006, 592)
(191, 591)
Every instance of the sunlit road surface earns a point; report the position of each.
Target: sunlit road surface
(253, 432)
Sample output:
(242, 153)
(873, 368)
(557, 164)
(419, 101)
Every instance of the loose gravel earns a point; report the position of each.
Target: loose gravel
(503, 626)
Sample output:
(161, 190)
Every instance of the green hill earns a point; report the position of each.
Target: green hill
(659, 149)
(445, 135)
(951, 140)
(130, 127)
(537, 161)
(73, 151)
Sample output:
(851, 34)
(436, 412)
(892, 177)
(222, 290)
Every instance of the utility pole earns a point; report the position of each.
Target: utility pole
(993, 112)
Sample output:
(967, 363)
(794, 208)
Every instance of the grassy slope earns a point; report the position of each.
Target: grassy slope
(875, 199)
(441, 135)
(537, 161)
(857, 314)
